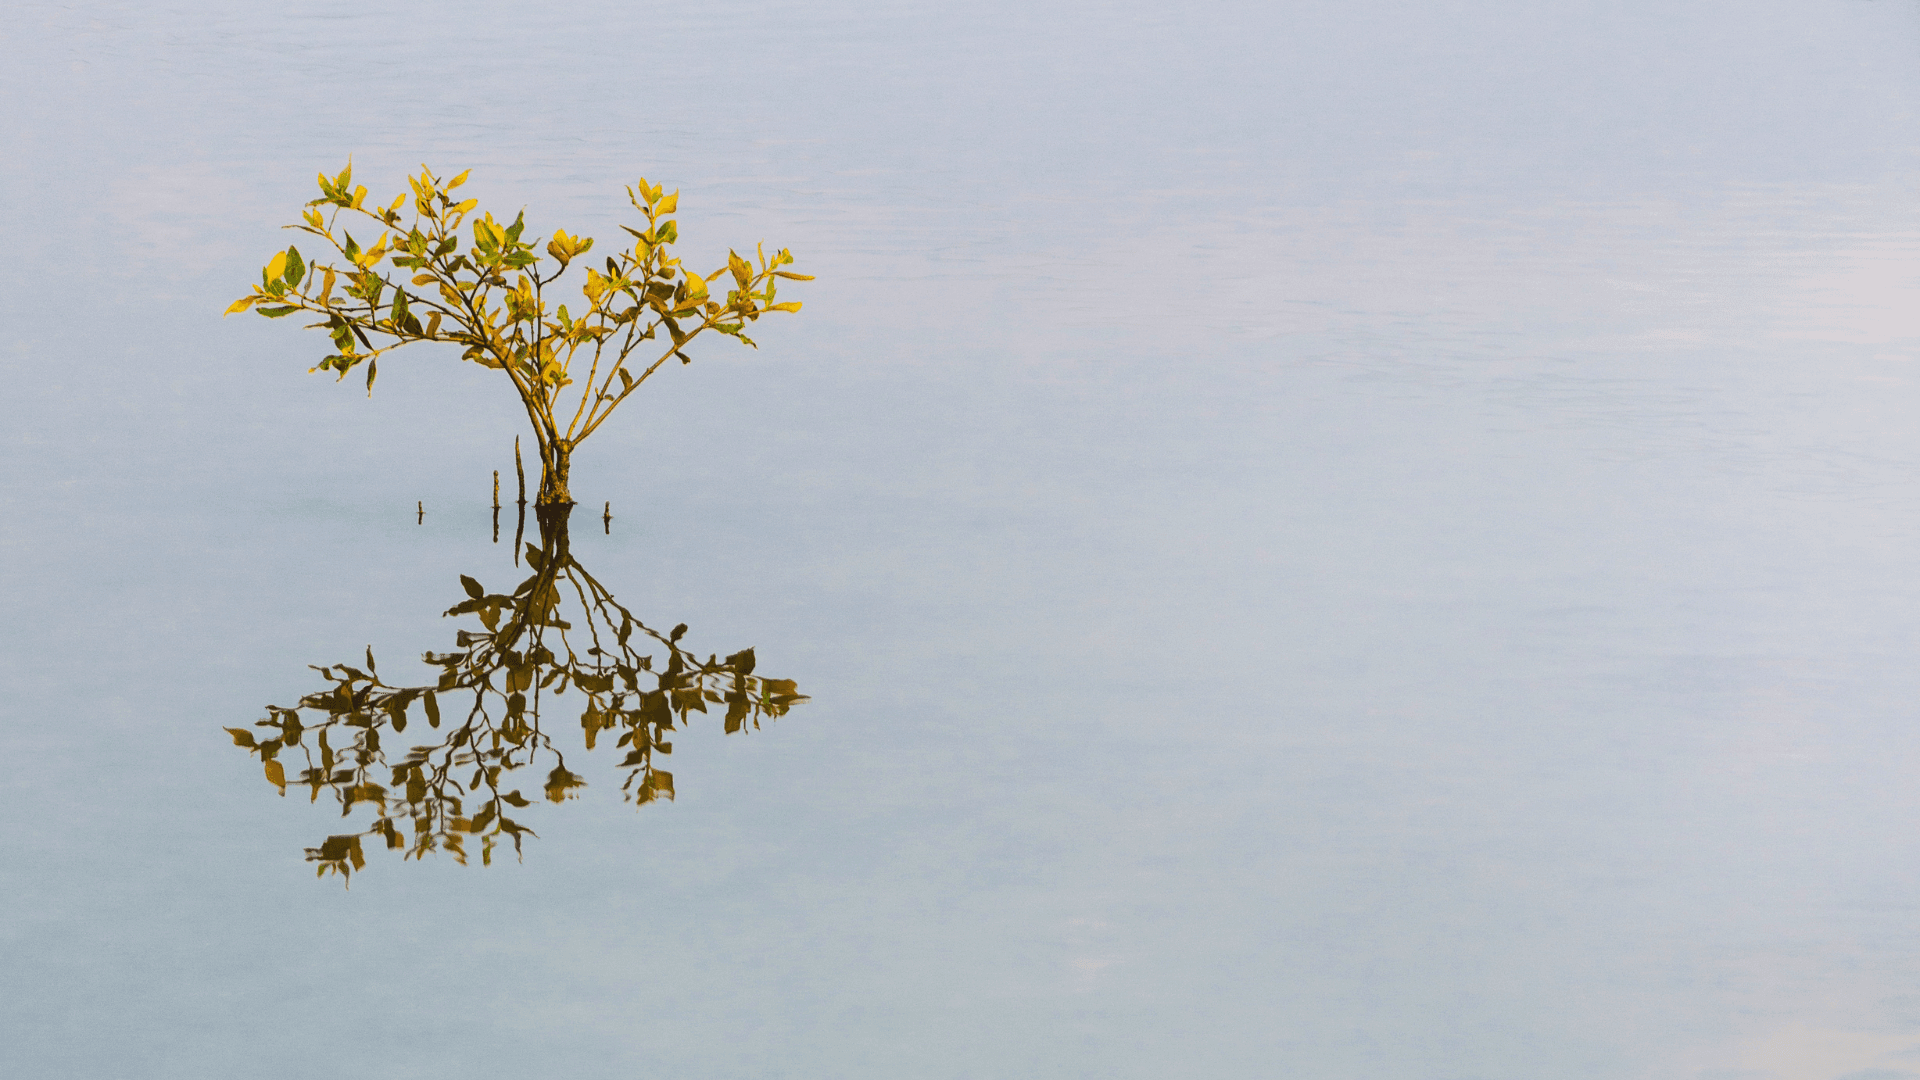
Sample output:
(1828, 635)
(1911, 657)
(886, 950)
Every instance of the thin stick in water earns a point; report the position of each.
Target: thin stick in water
(520, 470)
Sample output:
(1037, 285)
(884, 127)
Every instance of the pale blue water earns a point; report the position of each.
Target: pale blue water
(1326, 540)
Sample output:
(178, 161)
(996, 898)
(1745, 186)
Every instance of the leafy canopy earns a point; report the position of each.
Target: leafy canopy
(488, 294)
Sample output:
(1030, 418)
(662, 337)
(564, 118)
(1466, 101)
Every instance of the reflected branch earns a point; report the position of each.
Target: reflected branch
(447, 793)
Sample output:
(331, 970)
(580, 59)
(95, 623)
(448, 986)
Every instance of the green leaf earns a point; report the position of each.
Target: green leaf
(277, 312)
(473, 587)
(296, 267)
(433, 710)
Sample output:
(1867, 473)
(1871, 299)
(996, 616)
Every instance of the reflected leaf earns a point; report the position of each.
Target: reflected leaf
(500, 682)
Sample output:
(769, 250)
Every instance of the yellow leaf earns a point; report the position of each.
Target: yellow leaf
(241, 304)
(668, 204)
(397, 200)
(784, 307)
(359, 193)
(277, 776)
(277, 267)
(458, 180)
(424, 279)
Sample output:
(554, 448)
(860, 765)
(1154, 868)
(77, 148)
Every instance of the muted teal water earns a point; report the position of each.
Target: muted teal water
(1326, 540)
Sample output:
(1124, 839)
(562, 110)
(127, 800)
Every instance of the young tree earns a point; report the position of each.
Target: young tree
(491, 300)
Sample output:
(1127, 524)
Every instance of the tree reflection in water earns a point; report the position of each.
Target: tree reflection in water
(499, 676)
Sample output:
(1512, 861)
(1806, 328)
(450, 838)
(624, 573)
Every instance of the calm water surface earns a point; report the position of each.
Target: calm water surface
(1334, 540)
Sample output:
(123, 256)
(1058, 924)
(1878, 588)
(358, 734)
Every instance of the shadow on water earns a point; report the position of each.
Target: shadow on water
(487, 705)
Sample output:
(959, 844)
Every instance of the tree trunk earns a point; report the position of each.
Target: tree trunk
(555, 458)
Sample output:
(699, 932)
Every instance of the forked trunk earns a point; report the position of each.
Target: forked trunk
(555, 460)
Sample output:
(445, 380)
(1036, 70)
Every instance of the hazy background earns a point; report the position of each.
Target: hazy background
(1327, 540)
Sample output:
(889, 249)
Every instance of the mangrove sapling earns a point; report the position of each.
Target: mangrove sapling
(490, 300)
